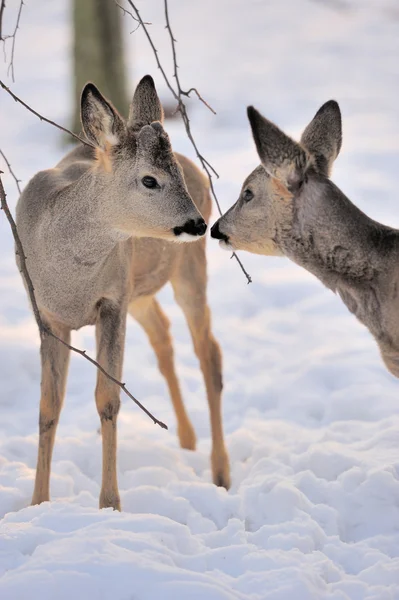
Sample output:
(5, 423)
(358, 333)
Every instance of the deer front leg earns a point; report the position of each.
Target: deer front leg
(110, 336)
(55, 360)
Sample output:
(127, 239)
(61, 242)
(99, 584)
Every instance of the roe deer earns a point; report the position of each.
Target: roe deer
(289, 207)
(84, 226)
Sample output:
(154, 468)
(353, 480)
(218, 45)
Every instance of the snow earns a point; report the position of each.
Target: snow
(310, 413)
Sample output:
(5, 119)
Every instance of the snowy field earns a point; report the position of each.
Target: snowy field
(311, 416)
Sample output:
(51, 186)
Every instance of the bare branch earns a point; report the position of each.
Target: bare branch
(17, 181)
(127, 12)
(143, 24)
(181, 106)
(43, 329)
(199, 98)
(42, 118)
(206, 165)
(13, 36)
(2, 7)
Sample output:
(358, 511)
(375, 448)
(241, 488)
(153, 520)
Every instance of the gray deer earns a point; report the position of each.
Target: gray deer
(289, 207)
(98, 233)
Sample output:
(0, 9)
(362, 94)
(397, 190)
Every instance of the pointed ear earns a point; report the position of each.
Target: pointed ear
(101, 122)
(281, 157)
(146, 106)
(323, 136)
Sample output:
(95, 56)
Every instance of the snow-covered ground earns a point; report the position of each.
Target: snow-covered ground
(311, 416)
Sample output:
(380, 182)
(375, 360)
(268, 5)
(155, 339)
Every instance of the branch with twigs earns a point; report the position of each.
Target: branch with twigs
(181, 106)
(127, 12)
(42, 118)
(43, 329)
(12, 36)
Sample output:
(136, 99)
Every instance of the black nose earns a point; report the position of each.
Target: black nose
(192, 227)
(216, 233)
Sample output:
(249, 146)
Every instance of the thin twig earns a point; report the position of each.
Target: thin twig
(181, 106)
(17, 181)
(13, 36)
(2, 7)
(42, 118)
(127, 12)
(43, 329)
(199, 98)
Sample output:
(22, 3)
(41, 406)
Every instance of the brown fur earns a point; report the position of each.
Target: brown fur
(103, 158)
(279, 191)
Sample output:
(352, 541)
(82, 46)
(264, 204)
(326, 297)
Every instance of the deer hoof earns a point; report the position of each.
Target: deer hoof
(221, 469)
(110, 500)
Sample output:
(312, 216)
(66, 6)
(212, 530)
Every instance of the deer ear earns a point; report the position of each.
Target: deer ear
(101, 122)
(281, 157)
(323, 136)
(146, 106)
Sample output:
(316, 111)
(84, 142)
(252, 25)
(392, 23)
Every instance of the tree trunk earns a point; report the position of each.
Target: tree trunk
(99, 52)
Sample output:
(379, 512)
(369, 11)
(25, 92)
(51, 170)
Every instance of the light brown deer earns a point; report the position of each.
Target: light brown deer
(98, 233)
(288, 206)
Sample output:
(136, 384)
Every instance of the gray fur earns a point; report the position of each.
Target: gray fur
(320, 229)
(281, 156)
(146, 106)
(99, 243)
(76, 221)
(100, 119)
(323, 136)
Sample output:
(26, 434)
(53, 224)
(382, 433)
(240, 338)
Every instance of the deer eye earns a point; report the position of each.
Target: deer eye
(149, 182)
(247, 195)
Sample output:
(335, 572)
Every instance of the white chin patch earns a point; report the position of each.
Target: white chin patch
(187, 237)
(226, 246)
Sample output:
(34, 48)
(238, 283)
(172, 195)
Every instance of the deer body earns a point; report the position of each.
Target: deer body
(289, 207)
(84, 226)
(73, 254)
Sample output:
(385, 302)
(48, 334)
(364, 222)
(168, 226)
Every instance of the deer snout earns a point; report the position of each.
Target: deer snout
(191, 229)
(224, 240)
(217, 234)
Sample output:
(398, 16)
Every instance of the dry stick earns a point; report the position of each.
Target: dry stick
(187, 125)
(13, 36)
(171, 89)
(182, 108)
(43, 329)
(2, 7)
(17, 181)
(127, 12)
(199, 98)
(42, 118)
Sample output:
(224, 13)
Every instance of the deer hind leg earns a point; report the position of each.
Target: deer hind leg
(148, 313)
(189, 284)
(55, 360)
(110, 337)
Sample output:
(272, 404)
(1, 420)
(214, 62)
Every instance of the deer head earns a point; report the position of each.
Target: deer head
(140, 183)
(289, 186)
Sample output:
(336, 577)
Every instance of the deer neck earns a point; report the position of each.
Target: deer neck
(350, 253)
